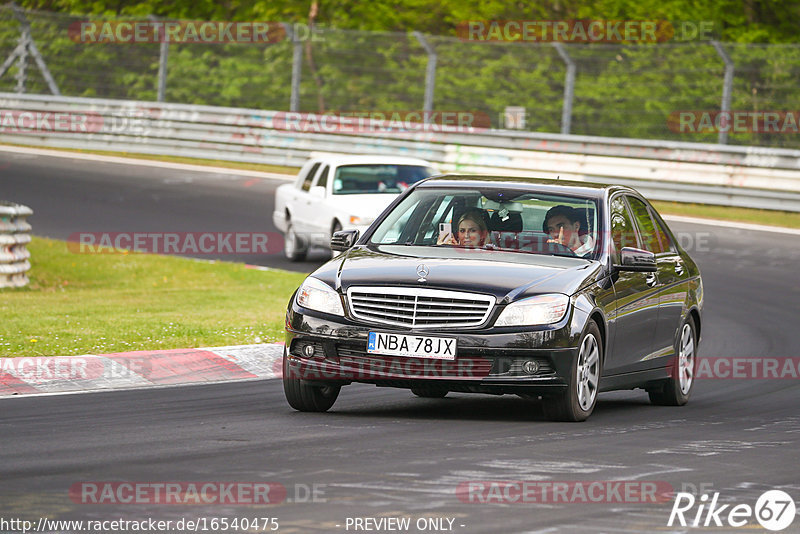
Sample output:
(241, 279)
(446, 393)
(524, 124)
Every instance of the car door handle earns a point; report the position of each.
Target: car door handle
(651, 279)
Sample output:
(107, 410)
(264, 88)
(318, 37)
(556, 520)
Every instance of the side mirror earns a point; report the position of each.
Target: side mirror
(344, 240)
(637, 260)
(317, 191)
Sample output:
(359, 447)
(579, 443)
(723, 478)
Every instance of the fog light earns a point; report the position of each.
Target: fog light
(308, 350)
(531, 367)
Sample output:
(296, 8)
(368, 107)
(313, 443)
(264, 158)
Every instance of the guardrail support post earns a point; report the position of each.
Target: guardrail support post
(430, 75)
(727, 88)
(297, 67)
(163, 57)
(569, 88)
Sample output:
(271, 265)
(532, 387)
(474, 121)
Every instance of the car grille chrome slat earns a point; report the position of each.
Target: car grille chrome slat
(386, 306)
(419, 307)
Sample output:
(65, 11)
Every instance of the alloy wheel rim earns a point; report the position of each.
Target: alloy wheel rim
(686, 360)
(588, 372)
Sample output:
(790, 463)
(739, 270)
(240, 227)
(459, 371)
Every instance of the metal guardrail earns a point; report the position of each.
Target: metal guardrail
(687, 172)
(14, 235)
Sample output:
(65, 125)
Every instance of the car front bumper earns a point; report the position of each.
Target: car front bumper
(487, 361)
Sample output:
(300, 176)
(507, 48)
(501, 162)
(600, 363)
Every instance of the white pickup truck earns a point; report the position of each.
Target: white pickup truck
(333, 193)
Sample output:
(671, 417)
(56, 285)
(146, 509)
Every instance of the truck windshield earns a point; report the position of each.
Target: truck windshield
(375, 179)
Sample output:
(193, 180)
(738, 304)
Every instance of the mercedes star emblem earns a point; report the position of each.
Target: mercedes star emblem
(422, 272)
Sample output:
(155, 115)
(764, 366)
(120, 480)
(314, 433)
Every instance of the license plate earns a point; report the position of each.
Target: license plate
(437, 348)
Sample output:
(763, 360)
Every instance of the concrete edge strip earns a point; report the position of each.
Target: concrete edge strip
(145, 162)
(732, 224)
(131, 370)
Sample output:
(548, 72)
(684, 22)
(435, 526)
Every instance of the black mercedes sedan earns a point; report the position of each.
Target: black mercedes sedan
(549, 290)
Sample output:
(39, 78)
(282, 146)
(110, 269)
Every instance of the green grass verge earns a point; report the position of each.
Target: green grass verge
(787, 219)
(101, 303)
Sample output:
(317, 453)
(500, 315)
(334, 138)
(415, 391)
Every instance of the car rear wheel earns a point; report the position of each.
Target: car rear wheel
(305, 397)
(578, 400)
(293, 246)
(429, 392)
(676, 389)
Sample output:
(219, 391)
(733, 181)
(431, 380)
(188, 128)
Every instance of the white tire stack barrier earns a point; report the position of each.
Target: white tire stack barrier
(14, 235)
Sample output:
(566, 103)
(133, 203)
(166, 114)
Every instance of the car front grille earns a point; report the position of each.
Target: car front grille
(419, 307)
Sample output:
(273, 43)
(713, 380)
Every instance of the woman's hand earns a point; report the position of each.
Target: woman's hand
(446, 239)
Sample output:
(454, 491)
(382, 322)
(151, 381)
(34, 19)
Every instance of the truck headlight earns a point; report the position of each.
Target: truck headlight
(538, 310)
(316, 295)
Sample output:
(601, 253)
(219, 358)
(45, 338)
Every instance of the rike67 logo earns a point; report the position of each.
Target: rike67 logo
(774, 510)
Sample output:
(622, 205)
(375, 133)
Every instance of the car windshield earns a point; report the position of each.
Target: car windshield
(497, 219)
(379, 178)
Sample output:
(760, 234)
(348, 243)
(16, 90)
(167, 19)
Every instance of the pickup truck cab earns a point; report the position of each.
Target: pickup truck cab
(333, 193)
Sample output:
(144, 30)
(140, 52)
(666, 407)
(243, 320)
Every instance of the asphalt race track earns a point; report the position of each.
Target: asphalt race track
(382, 453)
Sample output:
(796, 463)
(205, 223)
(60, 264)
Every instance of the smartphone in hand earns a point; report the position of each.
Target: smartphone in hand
(444, 230)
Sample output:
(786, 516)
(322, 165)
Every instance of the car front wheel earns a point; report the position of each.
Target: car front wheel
(578, 400)
(306, 397)
(676, 389)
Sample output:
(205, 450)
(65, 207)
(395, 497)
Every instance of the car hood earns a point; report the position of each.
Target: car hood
(507, 276)
(364, 205)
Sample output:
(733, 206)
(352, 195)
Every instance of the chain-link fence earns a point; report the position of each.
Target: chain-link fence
(634, 91)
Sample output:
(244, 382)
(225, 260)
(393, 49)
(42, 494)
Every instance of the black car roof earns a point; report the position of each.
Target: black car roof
(544, 185)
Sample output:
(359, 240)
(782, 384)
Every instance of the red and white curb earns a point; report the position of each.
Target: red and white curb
(149, 368)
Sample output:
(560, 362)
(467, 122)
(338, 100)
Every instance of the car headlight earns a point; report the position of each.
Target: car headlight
(316, 295)
(539, 310)
(361, 221)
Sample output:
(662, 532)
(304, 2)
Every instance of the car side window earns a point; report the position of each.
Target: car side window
(666, 241)
(647, 228)
(310, 177)
(322, 181)
(623, 233)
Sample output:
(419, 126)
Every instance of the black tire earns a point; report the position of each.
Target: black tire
(571, 404)
(427, 392)
(308, 398)
(676, 390)
(293, 247)
(336, 228)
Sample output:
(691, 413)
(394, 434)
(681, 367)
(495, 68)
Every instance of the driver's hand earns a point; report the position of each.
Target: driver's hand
(560, 239)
